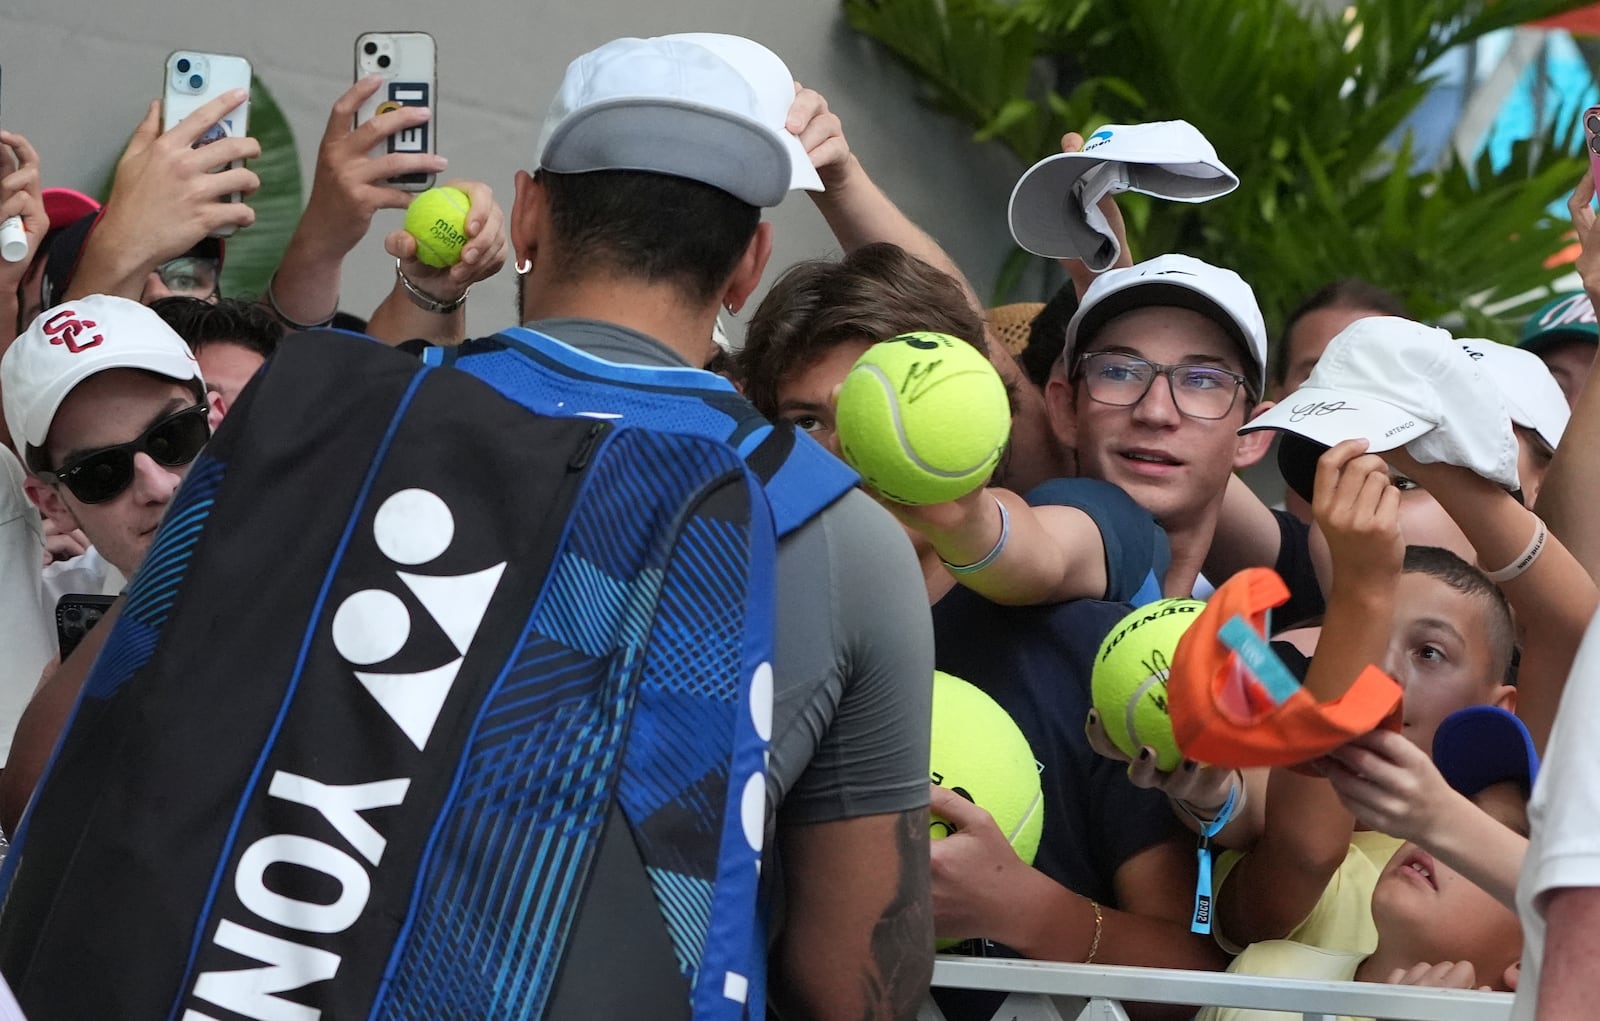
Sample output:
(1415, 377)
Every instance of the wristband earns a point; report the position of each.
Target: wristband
(277, 310)
(1526, 558)
(994, 554)
(425, 301)
(1201, 922)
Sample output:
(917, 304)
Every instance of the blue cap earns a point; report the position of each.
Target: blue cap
(1483, 745)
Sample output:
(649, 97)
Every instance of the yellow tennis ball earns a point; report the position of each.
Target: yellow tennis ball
(1130, 677)
(438, 220)
(923, 418)
(979, 753)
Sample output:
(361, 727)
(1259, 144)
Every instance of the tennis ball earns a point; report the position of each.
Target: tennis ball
(923, 418)
(438, 220)
(1130, 677)
(979, 753)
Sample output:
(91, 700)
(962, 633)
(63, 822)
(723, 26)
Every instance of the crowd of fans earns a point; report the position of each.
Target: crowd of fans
(1462, 566)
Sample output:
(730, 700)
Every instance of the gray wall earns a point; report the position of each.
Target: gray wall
(79, 73)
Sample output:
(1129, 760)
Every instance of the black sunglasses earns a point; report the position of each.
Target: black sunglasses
(101, 474)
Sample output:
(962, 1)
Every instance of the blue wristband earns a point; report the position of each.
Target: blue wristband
(1202, 892)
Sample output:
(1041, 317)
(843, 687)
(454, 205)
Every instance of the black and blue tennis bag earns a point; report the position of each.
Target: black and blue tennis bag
(422, 706)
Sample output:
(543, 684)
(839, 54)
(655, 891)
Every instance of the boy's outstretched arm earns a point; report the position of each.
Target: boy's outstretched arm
(1306, 833)
(1392, 786)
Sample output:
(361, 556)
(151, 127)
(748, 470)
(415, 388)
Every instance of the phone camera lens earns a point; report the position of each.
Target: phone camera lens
(73, 615)
(183, 66)
(383, 61)
(195, 82)
(1593, 124)
(370, 48)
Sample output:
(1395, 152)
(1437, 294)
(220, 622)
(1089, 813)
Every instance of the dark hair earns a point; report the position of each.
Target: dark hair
(226, 320)
(1350, 293)
(649, 227)
(1445, 566)
(1047, 335)
(874, 293)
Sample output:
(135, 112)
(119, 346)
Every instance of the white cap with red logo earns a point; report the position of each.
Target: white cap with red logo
(71, 342)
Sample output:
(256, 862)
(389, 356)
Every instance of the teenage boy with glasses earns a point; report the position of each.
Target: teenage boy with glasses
(108, 409)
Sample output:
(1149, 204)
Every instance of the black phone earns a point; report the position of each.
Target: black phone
(76, 614)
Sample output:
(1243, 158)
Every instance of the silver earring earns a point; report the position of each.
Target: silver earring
(524, 266)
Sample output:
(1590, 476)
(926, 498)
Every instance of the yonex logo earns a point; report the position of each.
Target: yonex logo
(412, 528)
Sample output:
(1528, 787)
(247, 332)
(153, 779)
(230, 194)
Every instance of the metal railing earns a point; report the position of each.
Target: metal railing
(1048, 991)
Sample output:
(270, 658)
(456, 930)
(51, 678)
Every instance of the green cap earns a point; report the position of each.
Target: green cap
(1565, 318)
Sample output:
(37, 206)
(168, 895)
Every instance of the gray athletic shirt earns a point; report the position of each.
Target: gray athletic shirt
(854, 664)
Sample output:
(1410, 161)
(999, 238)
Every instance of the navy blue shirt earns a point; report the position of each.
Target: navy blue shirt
(1294, 566)
(1036, 661)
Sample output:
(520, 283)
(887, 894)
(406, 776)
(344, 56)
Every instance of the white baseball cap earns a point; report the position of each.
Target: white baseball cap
(1533, 397)
(707, 107)
(1396, 383)
(73, 341)
(1181, 281)
(1054, 209)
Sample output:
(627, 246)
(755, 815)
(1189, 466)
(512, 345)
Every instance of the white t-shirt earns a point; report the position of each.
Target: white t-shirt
(1564, 813)
(88, 574)
(27, 631)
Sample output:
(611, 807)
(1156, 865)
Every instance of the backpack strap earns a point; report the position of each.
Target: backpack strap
(800, 477)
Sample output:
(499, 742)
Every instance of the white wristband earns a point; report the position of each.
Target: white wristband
(1535, 547)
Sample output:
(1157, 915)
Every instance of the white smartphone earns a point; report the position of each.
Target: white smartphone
(405, 60)
(194, 79)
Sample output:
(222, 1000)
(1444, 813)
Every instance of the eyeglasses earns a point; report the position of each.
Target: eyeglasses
(101, 474)
(1122, 380)
(190, 276)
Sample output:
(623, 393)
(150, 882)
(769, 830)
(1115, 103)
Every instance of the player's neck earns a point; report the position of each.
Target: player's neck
(658, 311)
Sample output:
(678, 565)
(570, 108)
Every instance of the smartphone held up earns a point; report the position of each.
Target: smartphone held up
(194, 79)
(405, 63)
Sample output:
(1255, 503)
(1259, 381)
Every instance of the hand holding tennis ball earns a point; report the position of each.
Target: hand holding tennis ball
(924, 418)
(1130, 678)
(437, 218)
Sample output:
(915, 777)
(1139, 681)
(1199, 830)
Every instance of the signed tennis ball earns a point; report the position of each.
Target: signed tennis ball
(1130, 678)
(438, 220)
(923, 417)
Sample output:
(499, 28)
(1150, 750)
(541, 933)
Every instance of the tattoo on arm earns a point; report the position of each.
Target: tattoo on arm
(901, 963)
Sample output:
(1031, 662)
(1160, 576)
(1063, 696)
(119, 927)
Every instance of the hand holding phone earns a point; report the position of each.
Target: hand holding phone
(404, 61)
(194, 79)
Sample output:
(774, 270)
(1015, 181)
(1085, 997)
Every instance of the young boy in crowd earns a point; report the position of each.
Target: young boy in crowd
(1436, 624)
(1442, 906)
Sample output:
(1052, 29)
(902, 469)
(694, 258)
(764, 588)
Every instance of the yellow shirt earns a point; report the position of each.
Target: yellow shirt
(1282, 958)
(1342, 917)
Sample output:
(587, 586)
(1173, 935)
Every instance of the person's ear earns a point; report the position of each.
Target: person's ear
(51, 503)
(1504, 696)
(747, 273)
(1059, 405)
(528, 212)
(219, 409)
(1253, 446)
